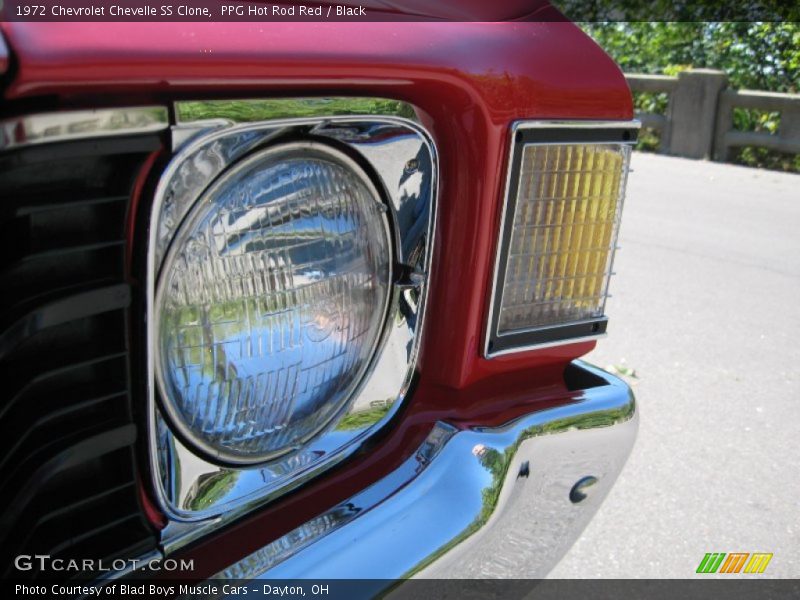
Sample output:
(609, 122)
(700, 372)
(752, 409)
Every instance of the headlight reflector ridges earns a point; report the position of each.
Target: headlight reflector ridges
(271, 301)
(563, 234)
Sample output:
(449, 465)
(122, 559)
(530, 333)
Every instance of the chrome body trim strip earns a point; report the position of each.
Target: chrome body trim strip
(453, 509)
(516, 127)
(554, 344)
(403, 159)
(47, 128)
(577, 124)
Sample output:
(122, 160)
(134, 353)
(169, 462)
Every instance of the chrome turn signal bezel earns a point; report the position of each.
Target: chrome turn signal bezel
(542, 133)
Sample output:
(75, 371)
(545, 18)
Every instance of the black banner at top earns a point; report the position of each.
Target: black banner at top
(398, 10)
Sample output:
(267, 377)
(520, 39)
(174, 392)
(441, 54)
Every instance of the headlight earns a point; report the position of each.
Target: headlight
(270, 302)
(560, 226)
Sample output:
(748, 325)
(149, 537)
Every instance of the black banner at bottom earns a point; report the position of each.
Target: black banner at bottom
(738, 588)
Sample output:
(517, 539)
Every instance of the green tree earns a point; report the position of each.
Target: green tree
(763, 56)
(755, 55)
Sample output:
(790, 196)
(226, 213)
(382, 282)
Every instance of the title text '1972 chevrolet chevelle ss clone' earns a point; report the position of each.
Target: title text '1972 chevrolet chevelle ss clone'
(306, 300)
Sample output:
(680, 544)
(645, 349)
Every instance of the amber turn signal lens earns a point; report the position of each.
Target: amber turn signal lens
(563, 234)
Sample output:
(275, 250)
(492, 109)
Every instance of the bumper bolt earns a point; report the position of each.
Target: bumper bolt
(580, 490)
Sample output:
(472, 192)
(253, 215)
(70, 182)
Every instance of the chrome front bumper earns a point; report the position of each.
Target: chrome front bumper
(481, 503)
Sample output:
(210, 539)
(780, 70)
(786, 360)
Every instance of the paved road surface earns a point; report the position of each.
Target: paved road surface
(706, 309)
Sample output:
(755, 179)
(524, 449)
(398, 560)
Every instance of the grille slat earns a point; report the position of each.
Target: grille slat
(61, 312)
(50, 376)
(51, 422)
(52, 518)
(68, 461)
(64, 273)
(28, 477)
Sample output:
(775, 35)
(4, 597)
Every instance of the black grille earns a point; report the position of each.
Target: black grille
(67, 428)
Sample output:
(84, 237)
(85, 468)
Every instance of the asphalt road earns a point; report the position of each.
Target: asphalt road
(706, 310)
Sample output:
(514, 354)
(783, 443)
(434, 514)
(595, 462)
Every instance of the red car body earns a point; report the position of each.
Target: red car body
(469, 82)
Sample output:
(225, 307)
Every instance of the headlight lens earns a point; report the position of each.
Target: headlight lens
(271, 301)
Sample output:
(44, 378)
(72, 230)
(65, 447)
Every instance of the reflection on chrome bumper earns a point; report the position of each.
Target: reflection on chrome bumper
(502, 502)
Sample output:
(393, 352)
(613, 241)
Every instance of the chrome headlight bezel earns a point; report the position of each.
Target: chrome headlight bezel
(401, 158)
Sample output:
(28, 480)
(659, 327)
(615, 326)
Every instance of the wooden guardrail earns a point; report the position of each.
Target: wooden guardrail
(698, 122)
